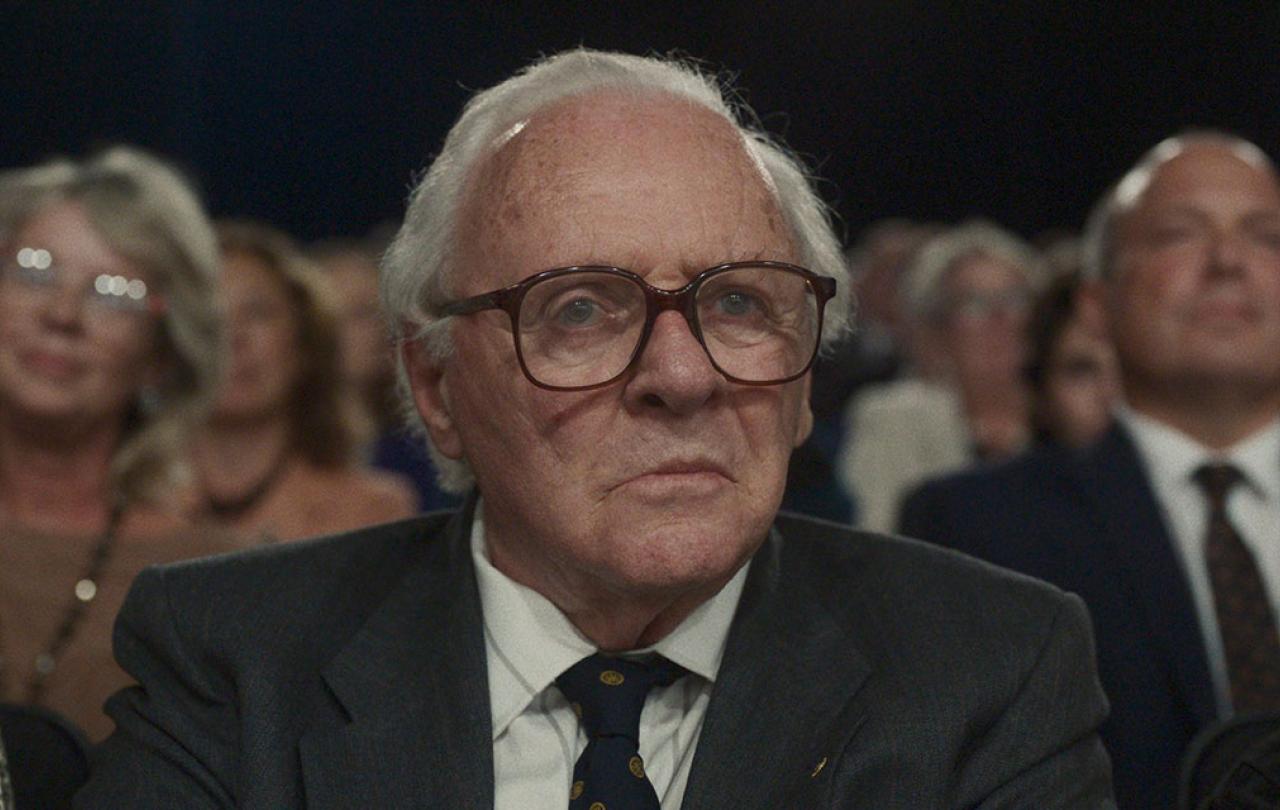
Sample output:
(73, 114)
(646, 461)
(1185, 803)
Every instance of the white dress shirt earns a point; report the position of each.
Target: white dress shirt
(536, 735)
(1171, 459)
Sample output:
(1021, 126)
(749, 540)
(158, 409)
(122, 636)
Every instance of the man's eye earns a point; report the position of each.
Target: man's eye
(736, 302)
(1162, 231)
(1269, 238)
(578, 312)
(1170, 234)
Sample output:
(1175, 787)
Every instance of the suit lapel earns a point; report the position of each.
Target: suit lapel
(787, 679)
(413, 683)
(1113, 479)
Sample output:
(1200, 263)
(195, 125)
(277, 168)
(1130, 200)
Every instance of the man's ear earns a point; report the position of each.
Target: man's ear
(431, 396)
(804, 426)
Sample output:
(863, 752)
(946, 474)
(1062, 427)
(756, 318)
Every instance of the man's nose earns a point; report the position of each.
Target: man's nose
(1227, 252)
(673, 370)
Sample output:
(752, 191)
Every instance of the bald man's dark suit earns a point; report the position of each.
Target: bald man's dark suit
(1089, 523)
(350, 673)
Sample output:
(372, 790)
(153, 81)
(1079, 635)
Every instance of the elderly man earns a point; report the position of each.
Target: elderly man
(1167, 527)
(618, 618)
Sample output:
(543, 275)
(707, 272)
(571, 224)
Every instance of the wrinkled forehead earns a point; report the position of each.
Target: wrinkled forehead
(613, 129)
(608, 156)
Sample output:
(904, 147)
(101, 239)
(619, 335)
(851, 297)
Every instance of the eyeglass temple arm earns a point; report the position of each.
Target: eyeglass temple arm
(825, 285)
(477, 303)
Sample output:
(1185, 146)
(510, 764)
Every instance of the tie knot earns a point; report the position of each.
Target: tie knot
(609, 693)
(1217, 480)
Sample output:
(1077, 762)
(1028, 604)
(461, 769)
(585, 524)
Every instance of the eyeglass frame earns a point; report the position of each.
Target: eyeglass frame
(657, 300)
(151, 303)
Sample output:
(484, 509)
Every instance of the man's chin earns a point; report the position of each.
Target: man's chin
(683, 551)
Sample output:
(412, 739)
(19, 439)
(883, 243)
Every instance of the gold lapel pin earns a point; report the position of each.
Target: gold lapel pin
(817, 769)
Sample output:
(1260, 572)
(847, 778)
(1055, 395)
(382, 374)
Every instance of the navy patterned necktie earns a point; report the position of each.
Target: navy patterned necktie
(1250, 643)
(607, 695)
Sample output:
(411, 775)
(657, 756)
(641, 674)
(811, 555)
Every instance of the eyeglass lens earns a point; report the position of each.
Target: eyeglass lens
(34, 271)
(758, 324)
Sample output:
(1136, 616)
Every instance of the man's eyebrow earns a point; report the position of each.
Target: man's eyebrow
(690, 268)
(759, 255)
(1265, 216)
(1178, 209)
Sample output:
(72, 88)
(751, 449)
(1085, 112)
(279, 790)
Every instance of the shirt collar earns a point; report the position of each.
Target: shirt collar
(529, 641)
(1172, 456)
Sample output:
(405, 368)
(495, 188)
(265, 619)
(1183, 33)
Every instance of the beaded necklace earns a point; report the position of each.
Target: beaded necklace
(229, 509)
(86, 588)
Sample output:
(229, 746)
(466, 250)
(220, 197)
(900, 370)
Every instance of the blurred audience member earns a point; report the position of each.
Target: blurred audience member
(108, 351)
(1060, 250)
(278, 454)
(878, 263)
(1167, 526)
(1233, 765)
(364, 345)
(369, 368)
(1074, 380)
(865, 357)
(966, 297)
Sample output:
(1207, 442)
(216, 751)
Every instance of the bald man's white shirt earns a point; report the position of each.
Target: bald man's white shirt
(536, 735)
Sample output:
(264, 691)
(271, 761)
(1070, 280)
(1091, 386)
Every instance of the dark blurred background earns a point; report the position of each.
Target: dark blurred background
(316, 115)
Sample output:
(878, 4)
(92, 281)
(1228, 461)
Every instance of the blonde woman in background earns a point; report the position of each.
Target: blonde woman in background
(108, 354)
(966, 298)
(278, 456)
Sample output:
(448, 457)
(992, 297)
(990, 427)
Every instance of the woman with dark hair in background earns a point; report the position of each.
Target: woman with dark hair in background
(278, 456)
(108, 354)
(1072, 369)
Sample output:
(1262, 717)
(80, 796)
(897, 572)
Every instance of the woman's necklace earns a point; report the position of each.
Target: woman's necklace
(86, 588)
(227, 509)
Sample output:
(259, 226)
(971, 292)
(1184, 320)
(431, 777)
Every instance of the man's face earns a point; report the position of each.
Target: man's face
(1195, 296)
(664, 482)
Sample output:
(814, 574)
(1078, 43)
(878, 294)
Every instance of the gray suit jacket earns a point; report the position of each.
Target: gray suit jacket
(349, 672)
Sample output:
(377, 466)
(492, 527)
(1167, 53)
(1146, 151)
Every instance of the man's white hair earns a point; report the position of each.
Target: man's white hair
(1097, 248)
(417, 272)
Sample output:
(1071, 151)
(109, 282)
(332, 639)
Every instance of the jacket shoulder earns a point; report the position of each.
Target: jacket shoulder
(309, 589)
(898, 572)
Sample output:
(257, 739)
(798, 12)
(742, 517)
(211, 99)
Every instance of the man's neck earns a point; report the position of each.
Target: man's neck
(1217, 419)
(54, 479)
(618, 627)
(612, 620)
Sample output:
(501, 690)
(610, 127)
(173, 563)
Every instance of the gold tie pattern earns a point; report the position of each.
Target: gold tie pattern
(608, 695)
(1250, 642)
